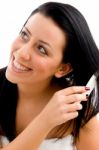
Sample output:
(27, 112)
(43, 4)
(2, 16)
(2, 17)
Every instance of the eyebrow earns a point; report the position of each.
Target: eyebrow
(39, 40)
(45, 43)
(27, 30)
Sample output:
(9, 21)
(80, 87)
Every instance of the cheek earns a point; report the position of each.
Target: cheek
(46, 65)
(15, 45)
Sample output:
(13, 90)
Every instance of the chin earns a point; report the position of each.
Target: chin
(10, 77)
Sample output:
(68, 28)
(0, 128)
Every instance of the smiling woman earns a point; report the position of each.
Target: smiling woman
(34, 51)
(43, 95)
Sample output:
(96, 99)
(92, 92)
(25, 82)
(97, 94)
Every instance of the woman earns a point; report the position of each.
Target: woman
(43, 100)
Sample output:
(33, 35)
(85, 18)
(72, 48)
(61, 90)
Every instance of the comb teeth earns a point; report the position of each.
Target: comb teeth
(91, 84)
(96, 73)
(97, 116)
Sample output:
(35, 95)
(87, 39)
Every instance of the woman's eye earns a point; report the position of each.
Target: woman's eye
(24, 35)
(42, 50)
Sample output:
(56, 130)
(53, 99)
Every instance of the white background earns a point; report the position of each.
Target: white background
(13, 14)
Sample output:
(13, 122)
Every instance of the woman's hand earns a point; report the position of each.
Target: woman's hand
(64, 105)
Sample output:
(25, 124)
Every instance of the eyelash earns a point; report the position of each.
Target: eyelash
(24, 35)
(44, 49)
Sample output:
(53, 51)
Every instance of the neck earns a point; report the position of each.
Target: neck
(35, 92)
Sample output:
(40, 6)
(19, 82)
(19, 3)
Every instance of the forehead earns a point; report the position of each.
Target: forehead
(44, 27)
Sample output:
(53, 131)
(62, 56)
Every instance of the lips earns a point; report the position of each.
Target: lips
(19, 67)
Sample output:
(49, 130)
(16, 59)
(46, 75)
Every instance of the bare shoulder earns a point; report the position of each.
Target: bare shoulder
(89, 135)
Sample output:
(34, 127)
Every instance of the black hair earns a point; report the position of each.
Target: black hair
(8, 102)
(81, 51)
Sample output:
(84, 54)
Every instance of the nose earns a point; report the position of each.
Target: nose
(23, 53)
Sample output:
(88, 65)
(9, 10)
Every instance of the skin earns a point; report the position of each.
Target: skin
(41, 64)
(29, 50)
(41, 106)
(89, 135)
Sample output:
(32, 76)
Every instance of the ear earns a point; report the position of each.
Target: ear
(63, 70)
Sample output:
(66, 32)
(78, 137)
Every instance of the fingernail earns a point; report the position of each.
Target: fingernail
(87, 96)
(87, 88)
(79, 106)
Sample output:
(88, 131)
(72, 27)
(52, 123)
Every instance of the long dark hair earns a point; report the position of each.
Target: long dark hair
(81, 52)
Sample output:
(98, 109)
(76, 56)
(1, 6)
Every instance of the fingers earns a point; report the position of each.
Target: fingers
(73, 90)
(73, 107)
(71, 111)
(75, 98)
(73, 94)
(70, 116)
(65, 104)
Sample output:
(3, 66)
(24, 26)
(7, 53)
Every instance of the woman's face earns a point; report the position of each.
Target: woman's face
(37, 52)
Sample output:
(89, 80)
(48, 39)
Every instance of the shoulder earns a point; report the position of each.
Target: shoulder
(89, 135)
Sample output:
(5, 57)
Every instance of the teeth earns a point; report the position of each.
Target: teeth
(20, 67)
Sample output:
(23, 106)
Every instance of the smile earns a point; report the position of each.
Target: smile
(19, 67)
